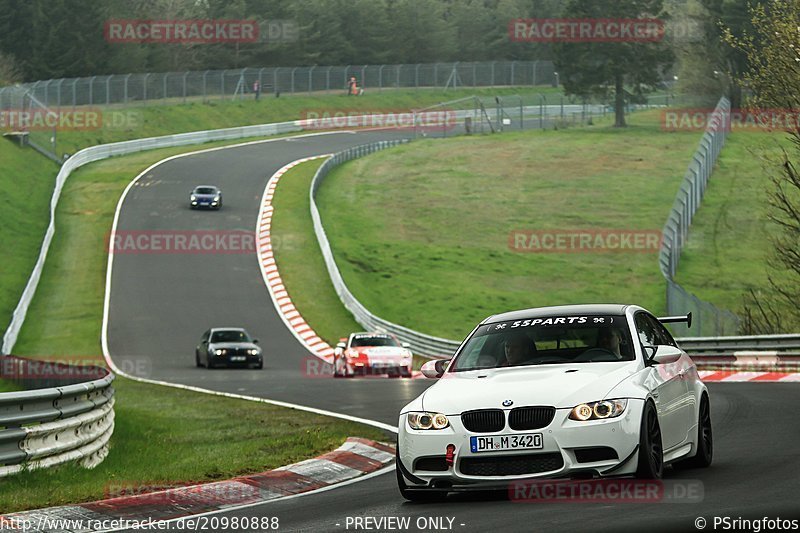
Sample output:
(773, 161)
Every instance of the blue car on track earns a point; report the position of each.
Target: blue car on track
(206, 196)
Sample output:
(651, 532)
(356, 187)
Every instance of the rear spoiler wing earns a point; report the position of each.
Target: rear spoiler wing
(669, 319)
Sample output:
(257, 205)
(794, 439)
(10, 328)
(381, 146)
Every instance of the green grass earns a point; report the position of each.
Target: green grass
(66, 314)
(26, 183)
(730, 238)
(169, 437)
(212, 438)
(435, 255)
(135, 122)
(299, 260)
(8, 386)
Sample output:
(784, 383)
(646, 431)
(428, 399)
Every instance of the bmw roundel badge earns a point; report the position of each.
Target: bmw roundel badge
(507, 403)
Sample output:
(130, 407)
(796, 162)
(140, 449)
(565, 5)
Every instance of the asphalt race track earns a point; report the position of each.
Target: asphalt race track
(161, 303)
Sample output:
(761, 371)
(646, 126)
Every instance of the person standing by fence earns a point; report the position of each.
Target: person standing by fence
(257, 88)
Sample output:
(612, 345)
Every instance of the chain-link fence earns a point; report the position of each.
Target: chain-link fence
(177, 87)
(708, 320)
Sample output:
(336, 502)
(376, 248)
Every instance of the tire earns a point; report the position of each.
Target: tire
(405, 373)
(419, 496)
(651, 451)
(197, 359)
(259, 366)
(705, 439)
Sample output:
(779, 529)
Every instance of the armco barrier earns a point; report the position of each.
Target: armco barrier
(420, 343)
(69, 422)
(428, 345)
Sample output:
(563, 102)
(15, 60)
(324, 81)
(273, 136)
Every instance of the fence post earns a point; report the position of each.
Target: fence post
(185, 75)
(74, 93)
(293, 70)
(328, 79)
(397, 76)
(144, 83)
(380, 78)
(416, 75)
(310, 78)
(60, 82)
(108, 90)
(205, 74)
(91, 89)
(513, 65)
(492, 84)
(127, 77)
(346, 68)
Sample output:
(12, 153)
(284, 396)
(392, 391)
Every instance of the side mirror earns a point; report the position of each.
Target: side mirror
(434, 369)
(406, 345)
(255, 341)
(649, 352)
(340, 345)
(666, 354)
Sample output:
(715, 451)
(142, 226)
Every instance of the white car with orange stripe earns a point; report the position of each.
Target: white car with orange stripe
(372, 354)
(554, 392)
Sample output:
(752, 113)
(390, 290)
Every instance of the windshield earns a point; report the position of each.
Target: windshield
(547, 340)
(205, 190)
(373, 340)
(230, 335)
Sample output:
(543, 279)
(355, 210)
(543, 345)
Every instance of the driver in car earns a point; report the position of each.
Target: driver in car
(609, 339)
(518, 349)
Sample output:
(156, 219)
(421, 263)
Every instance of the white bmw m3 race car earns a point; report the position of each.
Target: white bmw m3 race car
(555, 392)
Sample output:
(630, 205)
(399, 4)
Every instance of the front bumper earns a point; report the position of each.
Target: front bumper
(233, 361)
(369, 368)
(568, 449)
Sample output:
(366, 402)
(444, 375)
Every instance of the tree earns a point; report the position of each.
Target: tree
(772, 51)
(8, 70)
(604, 68)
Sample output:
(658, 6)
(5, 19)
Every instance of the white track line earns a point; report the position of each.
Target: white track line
(107, 304)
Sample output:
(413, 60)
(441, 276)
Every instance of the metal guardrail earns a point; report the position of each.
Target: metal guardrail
(708, 319)
(788, 344)
(419, 342)
(428, 345)
(45, 427)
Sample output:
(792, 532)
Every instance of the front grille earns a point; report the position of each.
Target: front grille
(513, 465)
(522, 418)
(431, 464)
(484, 420)
(598, 453)
(237, 351)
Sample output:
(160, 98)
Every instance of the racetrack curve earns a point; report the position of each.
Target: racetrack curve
(161, 303)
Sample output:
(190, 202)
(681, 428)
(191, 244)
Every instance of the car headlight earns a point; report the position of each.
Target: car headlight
(194, 198)
(598, 410)
(253, 351)
(425, 420)
(219, 352)
(216, 198)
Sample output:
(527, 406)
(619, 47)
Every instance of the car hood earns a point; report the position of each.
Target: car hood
(562, 386)
(231, 345)
(204, 196)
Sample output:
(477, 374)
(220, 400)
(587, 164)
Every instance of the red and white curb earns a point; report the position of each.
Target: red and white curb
(739, 376)
(355, 458)
(272, 278)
